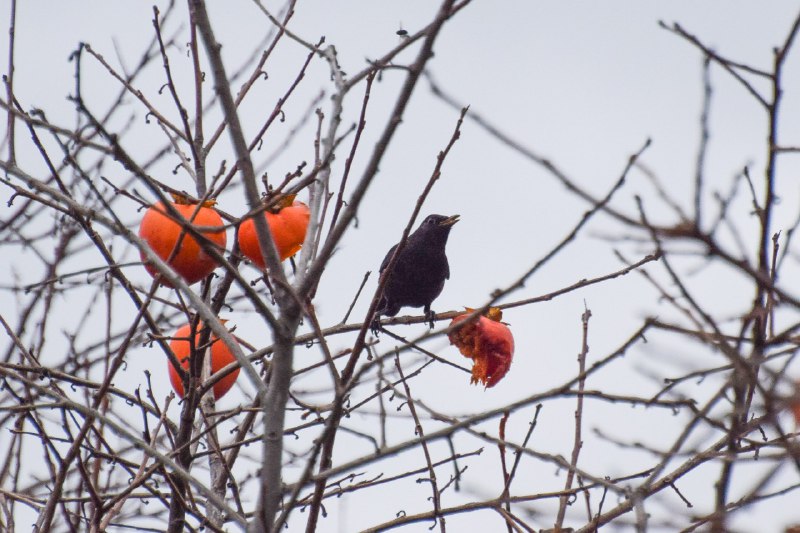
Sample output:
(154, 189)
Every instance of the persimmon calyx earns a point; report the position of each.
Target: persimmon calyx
(283, 201)
(183, 199)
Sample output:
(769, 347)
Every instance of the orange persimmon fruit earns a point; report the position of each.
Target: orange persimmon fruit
(793, 403)
(287, 225)
(488, 342)
(221, 356)
(163, 234)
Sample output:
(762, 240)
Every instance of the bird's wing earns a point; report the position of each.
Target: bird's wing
(387, 258)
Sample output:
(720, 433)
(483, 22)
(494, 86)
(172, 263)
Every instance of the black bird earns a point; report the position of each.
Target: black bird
(418, 275)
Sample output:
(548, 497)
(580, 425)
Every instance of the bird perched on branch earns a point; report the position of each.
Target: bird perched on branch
(418, 275)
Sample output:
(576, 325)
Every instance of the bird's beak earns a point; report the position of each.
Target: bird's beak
(449, 221)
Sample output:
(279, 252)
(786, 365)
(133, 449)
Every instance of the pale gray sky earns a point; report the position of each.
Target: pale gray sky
(581, 83)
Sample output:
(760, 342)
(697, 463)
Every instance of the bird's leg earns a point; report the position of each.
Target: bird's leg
(375, 326)
(430, 315)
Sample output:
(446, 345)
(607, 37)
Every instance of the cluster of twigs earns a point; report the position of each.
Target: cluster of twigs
(85, 452)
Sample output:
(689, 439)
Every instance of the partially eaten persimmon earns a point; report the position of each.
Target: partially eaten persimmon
(488, 342)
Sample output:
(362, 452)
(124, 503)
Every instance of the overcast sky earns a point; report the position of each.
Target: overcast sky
(584, 84)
